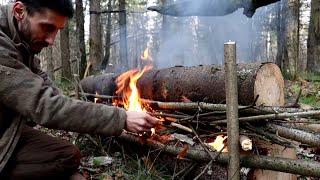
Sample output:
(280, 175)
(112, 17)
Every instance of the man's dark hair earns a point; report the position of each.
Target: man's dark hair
(63, 7)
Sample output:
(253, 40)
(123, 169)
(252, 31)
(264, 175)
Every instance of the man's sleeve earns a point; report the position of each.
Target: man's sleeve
(44, 76)
(26, 93)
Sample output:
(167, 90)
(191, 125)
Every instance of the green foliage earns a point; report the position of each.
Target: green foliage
(136, 169)
(311, 100)
(296, 88)
(66, 86)
(313, 77)
(97, 161)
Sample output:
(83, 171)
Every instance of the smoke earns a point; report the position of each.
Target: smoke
(196, 40)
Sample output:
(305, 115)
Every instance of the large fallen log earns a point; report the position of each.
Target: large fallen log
(302, 167)
(206, 83)
(210, 7)
(201, 83)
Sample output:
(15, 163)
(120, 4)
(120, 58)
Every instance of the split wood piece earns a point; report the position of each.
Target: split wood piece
(245, 142)
(210, 7)
(302, 167)
(295, 134)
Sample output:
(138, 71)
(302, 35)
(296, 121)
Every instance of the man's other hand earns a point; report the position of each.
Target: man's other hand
(139, 122)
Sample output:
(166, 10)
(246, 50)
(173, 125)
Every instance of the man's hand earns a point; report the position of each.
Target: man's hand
(139, 122)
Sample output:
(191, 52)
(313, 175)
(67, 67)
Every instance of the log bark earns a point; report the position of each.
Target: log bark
(211, 7)
(302, 167)
(102, 84)
(206, 83)
(295, 134)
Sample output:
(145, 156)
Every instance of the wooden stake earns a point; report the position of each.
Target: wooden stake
(232, 110)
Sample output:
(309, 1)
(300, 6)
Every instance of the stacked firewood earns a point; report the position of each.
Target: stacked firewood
(190, 102)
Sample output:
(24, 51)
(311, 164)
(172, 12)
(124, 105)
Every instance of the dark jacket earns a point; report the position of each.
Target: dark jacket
(25, 92)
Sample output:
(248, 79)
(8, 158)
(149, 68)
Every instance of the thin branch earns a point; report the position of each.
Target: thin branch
(272, 116)
(179, 126)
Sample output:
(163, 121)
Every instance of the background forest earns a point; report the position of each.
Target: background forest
(113, 34)
(110, 36)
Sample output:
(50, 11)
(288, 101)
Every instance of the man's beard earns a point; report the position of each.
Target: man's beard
(35, 45)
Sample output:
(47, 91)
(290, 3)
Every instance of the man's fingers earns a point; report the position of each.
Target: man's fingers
(152, 120)
(141, 129)
(146, 124)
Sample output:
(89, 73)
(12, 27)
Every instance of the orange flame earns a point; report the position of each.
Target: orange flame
(131, 96)
(146, 55)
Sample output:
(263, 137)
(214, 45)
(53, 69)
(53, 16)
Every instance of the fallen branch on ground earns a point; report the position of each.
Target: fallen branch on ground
(272, 117)
(295, 134)
(302, 167)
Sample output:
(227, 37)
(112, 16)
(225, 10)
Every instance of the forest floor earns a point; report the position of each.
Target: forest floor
(106, 158)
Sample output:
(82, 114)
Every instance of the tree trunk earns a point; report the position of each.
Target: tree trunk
(65, 52)
(313, 64)
(279, 36)
(50, 66)
(123, 36)
(290, 53)
(80, 37)
(95, 36)
(105, 60)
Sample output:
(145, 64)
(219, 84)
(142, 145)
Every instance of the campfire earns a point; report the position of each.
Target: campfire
(190, 101)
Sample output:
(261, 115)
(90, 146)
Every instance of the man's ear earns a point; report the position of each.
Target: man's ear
(19, 10)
